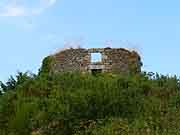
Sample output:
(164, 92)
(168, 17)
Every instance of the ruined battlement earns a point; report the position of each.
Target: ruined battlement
(97, 59)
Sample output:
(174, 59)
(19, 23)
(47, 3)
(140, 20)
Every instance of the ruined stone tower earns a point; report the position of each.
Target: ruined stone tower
(106, 60)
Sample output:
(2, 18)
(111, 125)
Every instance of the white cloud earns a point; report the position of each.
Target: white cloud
(16, 8)
(13, 11)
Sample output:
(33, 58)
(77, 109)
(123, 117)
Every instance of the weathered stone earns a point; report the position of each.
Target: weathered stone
(113, 60)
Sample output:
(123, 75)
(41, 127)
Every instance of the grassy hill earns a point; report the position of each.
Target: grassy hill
(83, 104)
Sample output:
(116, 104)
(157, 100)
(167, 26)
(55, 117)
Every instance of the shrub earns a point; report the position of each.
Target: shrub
(83, 104)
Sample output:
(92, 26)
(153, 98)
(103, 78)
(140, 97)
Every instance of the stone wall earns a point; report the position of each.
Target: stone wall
(113, 60)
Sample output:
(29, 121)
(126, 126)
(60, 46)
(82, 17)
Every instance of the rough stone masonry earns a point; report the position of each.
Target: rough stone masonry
(112, 60)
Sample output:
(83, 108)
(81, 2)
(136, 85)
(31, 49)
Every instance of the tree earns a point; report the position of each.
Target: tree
(12, 82)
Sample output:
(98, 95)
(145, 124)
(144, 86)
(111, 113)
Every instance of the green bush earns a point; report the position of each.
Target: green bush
(83, 104)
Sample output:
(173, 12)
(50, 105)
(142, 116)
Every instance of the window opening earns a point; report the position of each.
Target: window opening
(96, 57)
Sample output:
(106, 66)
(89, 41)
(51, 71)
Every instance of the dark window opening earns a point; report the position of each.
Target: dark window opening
(96, 71)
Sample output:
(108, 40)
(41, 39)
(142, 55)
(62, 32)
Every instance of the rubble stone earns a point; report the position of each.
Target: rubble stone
(113, 60)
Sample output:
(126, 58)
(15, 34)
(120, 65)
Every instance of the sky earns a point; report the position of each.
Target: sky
(32, 29)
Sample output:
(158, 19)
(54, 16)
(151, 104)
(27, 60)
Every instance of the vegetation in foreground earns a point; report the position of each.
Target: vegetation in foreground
(83, 104)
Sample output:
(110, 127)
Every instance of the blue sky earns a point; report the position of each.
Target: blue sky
(33, 29)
